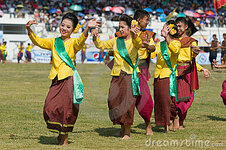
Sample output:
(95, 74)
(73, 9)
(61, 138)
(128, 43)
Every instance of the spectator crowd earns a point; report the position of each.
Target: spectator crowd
(50, 11)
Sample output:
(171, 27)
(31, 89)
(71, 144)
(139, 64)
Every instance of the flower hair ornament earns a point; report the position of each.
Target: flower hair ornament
(134, 22)
(118, 34)
(172, 29)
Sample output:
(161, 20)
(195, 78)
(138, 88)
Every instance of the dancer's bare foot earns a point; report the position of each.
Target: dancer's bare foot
(126, 137)
(176, 123)
(171, 125)
(166, 130)
(148, 129)
(64, 140)
(181, 127)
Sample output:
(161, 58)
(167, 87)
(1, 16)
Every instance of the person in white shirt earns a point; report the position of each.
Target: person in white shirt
(12, 11)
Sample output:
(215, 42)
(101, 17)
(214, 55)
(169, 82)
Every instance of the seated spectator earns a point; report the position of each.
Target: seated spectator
(19, 13)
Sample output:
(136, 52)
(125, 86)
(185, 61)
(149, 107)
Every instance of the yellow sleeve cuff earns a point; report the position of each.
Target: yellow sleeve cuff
(97, 41)
(83, 36)
(199, 67)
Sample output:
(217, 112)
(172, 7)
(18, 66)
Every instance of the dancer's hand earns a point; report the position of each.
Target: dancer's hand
(145, 42)
(134, 30)
(94, 24)
(29, 23)
(165, 31)
(95, 34)
(195, 49)
(111, 52)
(28, 26)
(91, 24)
(206, 73)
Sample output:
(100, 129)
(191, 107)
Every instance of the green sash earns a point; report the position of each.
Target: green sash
(106, 54)
(124, 54)
(3, 54)
(172, 77)
(77, 82)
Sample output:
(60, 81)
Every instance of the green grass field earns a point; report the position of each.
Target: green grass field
(23, 88)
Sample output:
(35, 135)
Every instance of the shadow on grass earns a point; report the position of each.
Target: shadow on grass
(83, 131)
(50, 140)
(154, 127)
(215, 118)
(112, 132)
(107, 132)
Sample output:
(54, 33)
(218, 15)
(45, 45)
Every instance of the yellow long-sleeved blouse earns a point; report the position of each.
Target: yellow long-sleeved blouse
(185, 53)
(142, 52)
(119, 63)
(162, 70)
(199, 67)
(59, 68)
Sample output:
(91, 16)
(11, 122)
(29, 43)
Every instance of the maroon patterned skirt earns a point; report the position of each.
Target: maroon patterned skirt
(121, 102)
(187, 82)
(164, 104)
(144, 102)
(59, 111)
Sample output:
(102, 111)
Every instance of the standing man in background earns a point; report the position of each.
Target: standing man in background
(213, 50)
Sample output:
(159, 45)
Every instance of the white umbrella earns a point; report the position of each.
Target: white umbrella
(108, 8)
